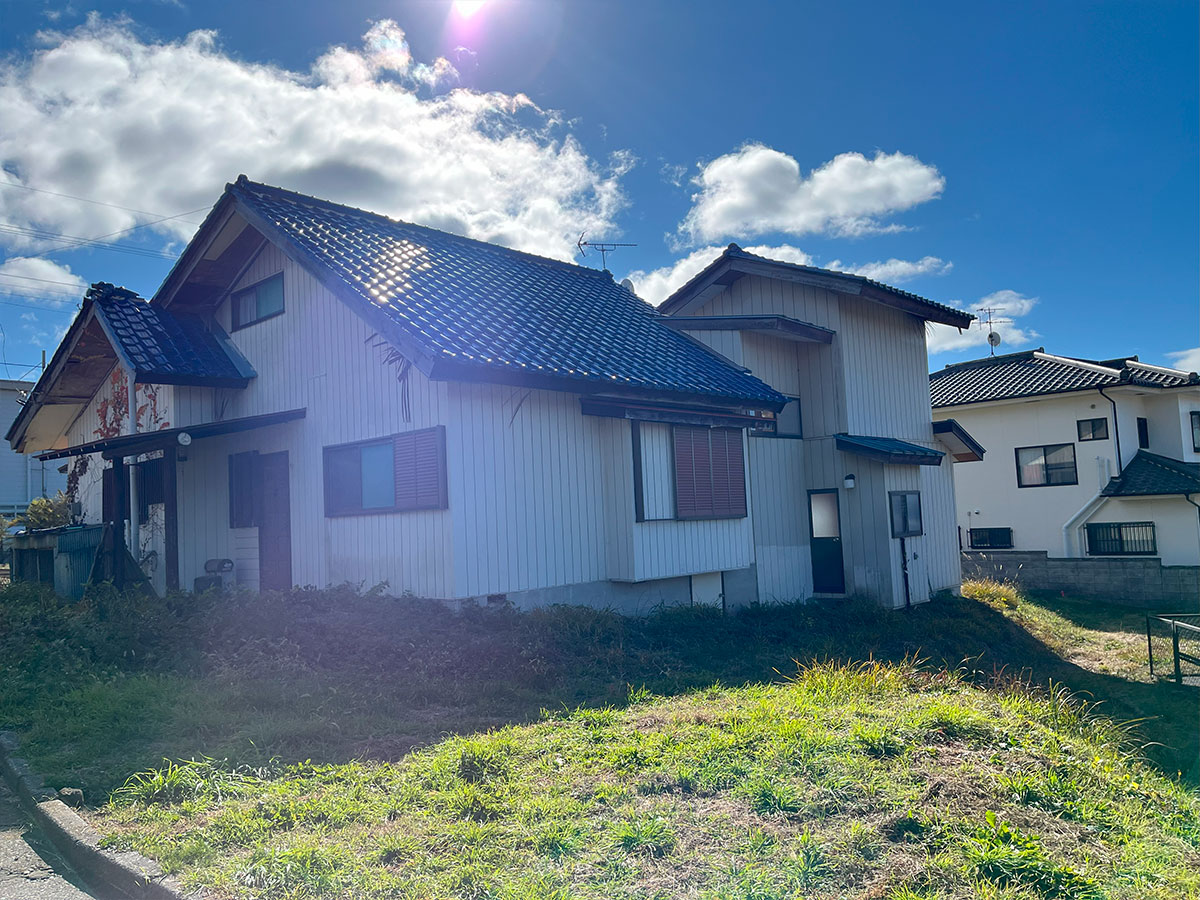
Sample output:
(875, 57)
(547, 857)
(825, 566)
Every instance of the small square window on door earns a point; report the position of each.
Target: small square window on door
(906, 513)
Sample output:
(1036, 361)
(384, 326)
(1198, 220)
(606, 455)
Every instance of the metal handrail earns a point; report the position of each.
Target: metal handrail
(1178, 657)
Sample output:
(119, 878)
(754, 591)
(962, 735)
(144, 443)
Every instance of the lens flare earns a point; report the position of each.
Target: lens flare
(468, 8)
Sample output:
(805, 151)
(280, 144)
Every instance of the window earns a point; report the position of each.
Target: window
(1047, 465)
(1196, 431)
(1143, 433)
(1121, 539)
(991, 538)
(787, 422)
(906, 513)
(393, 474)
(243, 490)
(258, 302)
(1092, 429)
(710, 473)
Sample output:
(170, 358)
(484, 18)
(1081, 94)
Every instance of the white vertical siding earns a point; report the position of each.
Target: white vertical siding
(316, 355)
(527, 489)
(885, 366)
(941, 526)
(658, 466)
(781, 542)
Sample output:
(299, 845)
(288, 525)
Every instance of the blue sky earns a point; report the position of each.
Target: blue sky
(1038, 158)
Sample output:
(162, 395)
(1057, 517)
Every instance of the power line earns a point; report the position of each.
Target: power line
(36, 306)
(85, 242)
(32, 278)
(140, 212)
(81, 241)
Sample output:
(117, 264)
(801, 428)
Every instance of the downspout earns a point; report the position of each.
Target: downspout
(1116, 427)
(1086, 510)
(1188, 498)
(1090, 506)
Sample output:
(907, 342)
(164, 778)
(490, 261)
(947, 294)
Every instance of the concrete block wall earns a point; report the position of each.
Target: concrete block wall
(1135, 581)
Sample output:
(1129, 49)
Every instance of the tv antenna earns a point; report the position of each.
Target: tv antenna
(993, 337)
(602, 247)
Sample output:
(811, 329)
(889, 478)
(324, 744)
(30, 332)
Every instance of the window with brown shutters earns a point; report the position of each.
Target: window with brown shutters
(710, 473)
(391, 474)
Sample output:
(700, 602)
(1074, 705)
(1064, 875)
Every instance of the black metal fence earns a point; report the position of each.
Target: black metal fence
(1173, 643)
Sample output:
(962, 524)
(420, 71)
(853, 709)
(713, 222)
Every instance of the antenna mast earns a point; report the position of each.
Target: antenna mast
(993, 337)
(602, 247)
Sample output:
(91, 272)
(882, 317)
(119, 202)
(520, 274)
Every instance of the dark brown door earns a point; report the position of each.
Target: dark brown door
(274, 523)
(828, 567)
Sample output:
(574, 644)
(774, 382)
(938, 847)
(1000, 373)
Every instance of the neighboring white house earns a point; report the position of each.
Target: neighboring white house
(22, 478)
(1086, 457)
(325, 395)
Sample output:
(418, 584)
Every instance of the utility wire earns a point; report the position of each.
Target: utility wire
(112, 234)
(32, 278)
(140, 212)
(80, 241)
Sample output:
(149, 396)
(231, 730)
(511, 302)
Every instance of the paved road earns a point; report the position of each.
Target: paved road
(24, 875)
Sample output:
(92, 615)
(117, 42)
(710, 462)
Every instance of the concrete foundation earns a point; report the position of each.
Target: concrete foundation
(739, 586)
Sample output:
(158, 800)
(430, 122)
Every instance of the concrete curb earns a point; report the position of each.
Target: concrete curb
(129, 874)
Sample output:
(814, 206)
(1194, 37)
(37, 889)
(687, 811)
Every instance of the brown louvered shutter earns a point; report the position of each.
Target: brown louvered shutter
(406, 470)
(420, 465)
(693, 472)
(729, 486)
(728, 473)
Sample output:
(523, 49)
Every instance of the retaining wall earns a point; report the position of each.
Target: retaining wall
(1135, 581)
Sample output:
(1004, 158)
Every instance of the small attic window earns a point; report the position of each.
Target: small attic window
(260, 301)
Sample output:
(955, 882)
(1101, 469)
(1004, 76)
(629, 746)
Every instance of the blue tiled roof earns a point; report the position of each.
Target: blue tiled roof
(165, 347)
(890, 450)
(479, 309)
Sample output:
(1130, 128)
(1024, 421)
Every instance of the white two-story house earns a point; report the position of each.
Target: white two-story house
(1087, 458)
(318, 394)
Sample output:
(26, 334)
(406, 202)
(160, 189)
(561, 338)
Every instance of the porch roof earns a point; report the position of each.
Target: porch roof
(963, 447)
(888, 450)
(147, 442)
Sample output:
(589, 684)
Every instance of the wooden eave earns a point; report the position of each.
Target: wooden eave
(78, 368)
(727, 269)
(783, 327)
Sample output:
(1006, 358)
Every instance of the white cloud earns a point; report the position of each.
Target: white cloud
(1188, 360)
(100, 113)
(657, 285)
(1008, 305)
(34, 278)
(757, 189)
(896, 271)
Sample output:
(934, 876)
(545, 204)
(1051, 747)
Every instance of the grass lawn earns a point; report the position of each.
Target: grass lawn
(602, 757)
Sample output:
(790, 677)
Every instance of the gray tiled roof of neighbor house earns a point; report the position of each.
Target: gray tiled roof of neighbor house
(1150, 474)
(470, 310)
(1034, 373)
(164, 347)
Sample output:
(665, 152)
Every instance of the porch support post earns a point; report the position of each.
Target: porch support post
(118, 525)
(135, 538)
(171, 514)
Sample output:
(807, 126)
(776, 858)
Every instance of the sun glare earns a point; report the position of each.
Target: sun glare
(468, 8)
